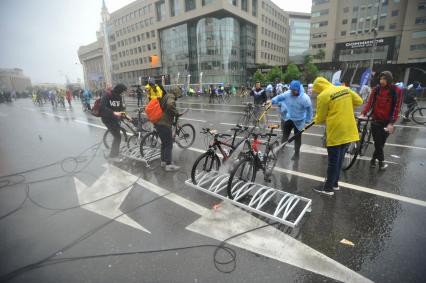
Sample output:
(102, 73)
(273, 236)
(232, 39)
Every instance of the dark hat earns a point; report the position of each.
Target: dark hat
(118, 89)
(388, 76)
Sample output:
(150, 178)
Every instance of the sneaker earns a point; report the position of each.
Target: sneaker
(383, 165)
(171, 168)
(337, 188)
(295, 156)
(321, 190)
(373, 163)
(163, 164)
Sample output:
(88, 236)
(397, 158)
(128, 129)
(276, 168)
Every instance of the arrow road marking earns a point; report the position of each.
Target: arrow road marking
(110, 183)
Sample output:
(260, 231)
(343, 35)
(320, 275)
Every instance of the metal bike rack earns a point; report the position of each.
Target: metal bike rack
(271, 203)
(133, 152)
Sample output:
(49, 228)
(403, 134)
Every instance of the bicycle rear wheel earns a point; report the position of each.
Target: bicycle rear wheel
(245, 170)
(364, 142)
(108, 137)
(185, 135)
(350, 156)
(206, 162)
(419, 116)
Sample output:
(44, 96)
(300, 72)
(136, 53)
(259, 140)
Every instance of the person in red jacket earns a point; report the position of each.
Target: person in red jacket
(68, 96)
(383, 106)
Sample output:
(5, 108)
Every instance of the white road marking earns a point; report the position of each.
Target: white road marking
(109, 184)
(195, 120)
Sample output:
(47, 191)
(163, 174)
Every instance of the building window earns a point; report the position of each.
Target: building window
(392, 26)
(346, 10)
(154, 46)
(416, 47)
(189, 5)
(343, 33)
(233, 2)
(345, 21)
(244, 5)
(419, 34)
(205, 2)
(420, 20)
(319, 13)
(174, 7)
(355, 9)
(318, 2)
(395, 13)
(148, 47)
(153, 33)
(147, 34)
(354, 20)
(381, 28)
(160, 7)
(421, 6)
(254, 8)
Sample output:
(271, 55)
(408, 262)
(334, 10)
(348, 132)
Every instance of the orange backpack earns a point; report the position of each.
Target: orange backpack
(154, 109)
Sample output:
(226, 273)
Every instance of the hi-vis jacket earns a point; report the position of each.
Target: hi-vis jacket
(154, 92)
(335, 107)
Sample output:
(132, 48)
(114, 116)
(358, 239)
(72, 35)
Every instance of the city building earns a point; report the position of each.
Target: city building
(191, 40)
(346, 29)
(14, 80)
(300, 28)
(92, 59)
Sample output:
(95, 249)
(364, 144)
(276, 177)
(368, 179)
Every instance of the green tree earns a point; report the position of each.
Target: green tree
(307, 59)
(292, 73)
(320, 54)
(310, 72)
(273, 74)
(258, 76)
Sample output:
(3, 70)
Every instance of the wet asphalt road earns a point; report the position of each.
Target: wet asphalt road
(382, 213)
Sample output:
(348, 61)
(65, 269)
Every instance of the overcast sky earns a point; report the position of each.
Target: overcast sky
(42, 36)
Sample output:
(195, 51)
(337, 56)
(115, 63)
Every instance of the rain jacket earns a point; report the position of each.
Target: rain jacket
(169, 108)
(385, 102)
(295, 108)
(154, 92)
(335, 107)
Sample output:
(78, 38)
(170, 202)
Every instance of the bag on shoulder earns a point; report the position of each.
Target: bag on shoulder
(96, 109)
(154, 109)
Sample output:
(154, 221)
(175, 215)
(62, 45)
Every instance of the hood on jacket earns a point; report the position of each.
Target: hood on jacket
(295, 85)
(388, 75)
(320, 84)
(118, 89)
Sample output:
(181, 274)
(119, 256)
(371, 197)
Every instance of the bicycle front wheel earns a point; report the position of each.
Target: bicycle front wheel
(245, 171)
(206, 162)
(419, 116)
(185, 135)
(108, 137)
(350, 156)
(150, 143)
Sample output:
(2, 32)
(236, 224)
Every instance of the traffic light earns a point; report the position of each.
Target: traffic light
(154, 59)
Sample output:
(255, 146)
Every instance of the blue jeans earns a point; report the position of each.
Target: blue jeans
(336, 155)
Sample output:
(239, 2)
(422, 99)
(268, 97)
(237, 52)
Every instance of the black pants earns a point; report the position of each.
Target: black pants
(286, 127)
(140, 100)
(114, 127)
(379, 136)
(165, 134)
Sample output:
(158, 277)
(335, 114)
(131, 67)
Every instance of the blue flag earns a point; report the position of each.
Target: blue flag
(364, 78)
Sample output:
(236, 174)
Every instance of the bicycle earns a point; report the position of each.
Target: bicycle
(183, 135)
(136, 126)
(250, 116)
(358, 147)
(243, 94)
(253, 161)
(210, 159)
(418, 115)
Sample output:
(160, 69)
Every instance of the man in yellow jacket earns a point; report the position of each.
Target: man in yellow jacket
(153, 90)
(335, 107)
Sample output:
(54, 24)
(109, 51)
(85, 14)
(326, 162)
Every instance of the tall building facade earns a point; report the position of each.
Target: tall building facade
(345, 30)
(300, 28)
(14, 80)
(203, 40)
(94, 65)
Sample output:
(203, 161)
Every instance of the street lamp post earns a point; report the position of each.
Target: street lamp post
(374, 42)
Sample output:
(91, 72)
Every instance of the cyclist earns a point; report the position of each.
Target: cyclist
(110, 111)
(153, 90)
(299, 112)
(164, 129)
(410, 99)
(69, 96)
(335, 107)
(87, 96)
(211, 91)
(384, 103)
(259, 98)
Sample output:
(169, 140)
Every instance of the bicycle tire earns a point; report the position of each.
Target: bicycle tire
(181, 132)
(209, 157)
(271, 159)
(420, 118)
(107, 138)
(351, 155)
(149, 141)
(248, 161)
(244, 120)
(133, 140)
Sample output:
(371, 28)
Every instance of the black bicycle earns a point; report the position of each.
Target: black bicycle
(183, 135)
(418, 115)
(210, 160)
(255, 115)
(131, 129)
(358, 147)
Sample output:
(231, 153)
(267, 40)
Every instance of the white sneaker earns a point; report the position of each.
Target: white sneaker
(171, 168)
(336, 188)
(163, 164)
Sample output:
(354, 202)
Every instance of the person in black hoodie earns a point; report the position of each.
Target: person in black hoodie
(110, 111)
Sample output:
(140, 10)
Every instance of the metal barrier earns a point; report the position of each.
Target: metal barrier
(133, 152)
(271, 203)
